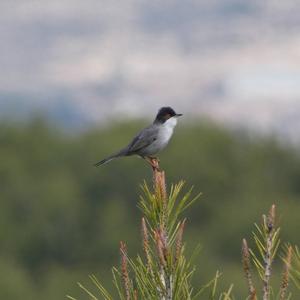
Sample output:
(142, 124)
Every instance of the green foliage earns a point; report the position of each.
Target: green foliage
(267, 243)
(164, 273)
(295, 269)
(61, 218)
(153, 208)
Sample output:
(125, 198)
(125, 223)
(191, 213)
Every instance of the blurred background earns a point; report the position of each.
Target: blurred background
(79, 78)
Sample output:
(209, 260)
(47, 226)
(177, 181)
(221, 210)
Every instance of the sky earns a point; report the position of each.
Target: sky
(85, 63)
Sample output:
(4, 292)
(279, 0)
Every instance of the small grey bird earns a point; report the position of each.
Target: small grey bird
(151, 139)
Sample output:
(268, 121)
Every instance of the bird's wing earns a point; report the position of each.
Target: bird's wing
(143, 139)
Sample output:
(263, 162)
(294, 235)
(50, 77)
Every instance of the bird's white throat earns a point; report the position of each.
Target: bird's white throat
(170, 123)
(166, 130)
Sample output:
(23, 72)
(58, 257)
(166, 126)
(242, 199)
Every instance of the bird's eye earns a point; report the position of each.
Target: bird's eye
(167, 116)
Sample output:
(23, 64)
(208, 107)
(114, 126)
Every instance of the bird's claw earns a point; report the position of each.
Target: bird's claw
(154, 162)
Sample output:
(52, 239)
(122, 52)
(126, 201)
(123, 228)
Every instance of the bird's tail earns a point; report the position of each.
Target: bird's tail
(108, 159)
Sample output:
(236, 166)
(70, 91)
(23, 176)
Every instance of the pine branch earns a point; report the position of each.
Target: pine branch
(268, 225)
(286, 273)
(246, 267)
(163, 273)
(124, 270)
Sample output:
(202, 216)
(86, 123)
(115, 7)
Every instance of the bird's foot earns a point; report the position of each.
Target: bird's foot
(154, 162)
(154, 158)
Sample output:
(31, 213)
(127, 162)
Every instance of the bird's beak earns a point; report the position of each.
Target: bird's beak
(178, 115)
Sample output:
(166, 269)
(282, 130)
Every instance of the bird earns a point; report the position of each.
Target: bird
(150, 140)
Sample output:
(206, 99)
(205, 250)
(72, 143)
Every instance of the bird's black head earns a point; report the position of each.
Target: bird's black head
(165, 113)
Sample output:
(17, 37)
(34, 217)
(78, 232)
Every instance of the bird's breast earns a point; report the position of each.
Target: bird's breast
(164, 135)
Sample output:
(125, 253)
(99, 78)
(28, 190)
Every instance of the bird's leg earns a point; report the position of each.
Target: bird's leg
(155, 158)
(153, 161)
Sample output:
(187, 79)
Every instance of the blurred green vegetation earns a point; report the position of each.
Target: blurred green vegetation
(61, 219)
